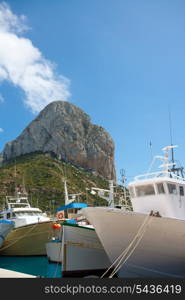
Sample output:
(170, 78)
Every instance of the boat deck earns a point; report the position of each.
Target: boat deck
(12, 274)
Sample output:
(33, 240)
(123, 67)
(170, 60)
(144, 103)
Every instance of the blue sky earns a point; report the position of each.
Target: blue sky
(121, 61)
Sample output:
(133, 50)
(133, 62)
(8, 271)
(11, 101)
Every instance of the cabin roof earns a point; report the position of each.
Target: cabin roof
(72, 205)
(6, 222)
(156, 180)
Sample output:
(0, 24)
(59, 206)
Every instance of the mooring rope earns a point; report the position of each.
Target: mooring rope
(11, 244)
(122, 262)
(120, 258)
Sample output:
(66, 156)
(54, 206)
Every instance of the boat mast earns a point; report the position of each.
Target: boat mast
(15, 175)
(173, 169)
(23, 186)
(111, 193)
(66, 192)
(123, 179)
(171, 140)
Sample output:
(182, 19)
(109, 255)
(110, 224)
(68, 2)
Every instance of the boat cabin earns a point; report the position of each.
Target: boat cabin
(162, 192)
(70, 211)
(18, 209)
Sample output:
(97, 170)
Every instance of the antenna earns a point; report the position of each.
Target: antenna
(15, 175)
(123, 179)
(171, 138)
(23, 184)
(151, 152)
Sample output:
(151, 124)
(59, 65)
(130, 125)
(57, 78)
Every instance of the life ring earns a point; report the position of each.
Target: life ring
(60, 215)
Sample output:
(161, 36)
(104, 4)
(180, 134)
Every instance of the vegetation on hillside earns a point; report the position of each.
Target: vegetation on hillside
(42, 175)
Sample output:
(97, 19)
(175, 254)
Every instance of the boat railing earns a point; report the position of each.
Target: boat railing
(13, 204)
(157, 175)
(17, 201)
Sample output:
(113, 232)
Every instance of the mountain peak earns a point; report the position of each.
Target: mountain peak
(65, 130)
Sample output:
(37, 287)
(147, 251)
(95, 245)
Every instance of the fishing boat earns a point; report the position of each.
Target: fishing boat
(82, 252)
(67, 212)
(148, 241)
(66, 215)
(32, 227)
(77, 247)
(5, 227)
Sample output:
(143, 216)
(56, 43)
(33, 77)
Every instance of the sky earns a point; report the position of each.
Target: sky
(121, 61)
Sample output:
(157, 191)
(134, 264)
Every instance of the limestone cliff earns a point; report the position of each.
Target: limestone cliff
(65, 130)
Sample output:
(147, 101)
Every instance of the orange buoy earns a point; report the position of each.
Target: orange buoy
(56, 226)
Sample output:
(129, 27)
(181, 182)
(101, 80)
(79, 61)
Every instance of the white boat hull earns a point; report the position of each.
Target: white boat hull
(28, 240)
(161, 251)
(5, 228)
(82, 252)
(54, 251)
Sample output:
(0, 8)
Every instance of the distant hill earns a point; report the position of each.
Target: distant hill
(42, 175)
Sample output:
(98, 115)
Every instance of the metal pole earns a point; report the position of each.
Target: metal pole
(124, 188)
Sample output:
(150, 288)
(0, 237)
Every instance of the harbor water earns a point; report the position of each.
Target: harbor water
(34, 265)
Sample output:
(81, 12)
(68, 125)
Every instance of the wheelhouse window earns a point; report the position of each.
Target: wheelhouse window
(160, 188)
(19, 214)
(131, 190)
(172, 188)
(181, 190)
(145, 190)
(28, 213)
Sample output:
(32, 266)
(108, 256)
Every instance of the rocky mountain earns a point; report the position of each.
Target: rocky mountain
(66, 131)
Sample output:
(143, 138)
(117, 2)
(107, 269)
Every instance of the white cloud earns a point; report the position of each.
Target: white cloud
(24, 65)
(1, 130)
